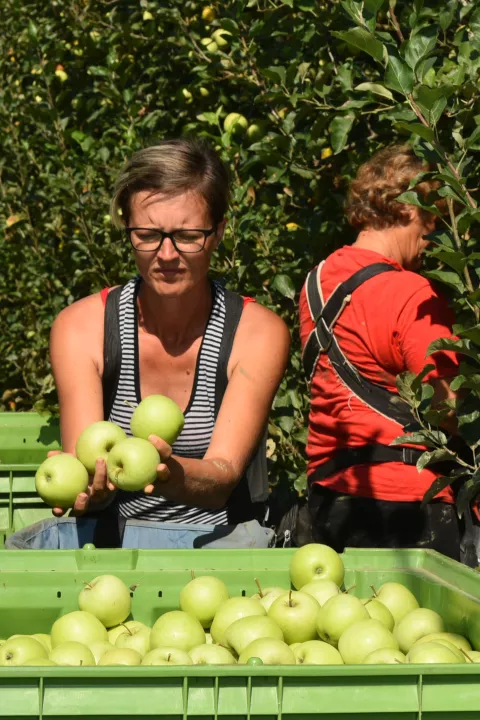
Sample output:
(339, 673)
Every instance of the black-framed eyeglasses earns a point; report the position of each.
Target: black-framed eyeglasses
(187, 240)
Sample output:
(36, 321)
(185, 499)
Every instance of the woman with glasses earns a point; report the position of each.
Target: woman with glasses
(218, 356)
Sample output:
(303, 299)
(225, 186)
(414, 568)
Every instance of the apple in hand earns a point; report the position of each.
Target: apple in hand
(17, 650)
(108, 598)
(157, 415)
(59, 479)
(315, 562)
(321, 590)
(100, 648)
(212, 655)
(244, 631)
(132, 464)
(433, 652)
(295, 613)
(121, 656)
(268, 596)
(138, 640)
(233, 609)
(176, 629)
(337, 615)
(316, 652)
(270, 651)
(72, 653)
(415, 625)
(167, 656)
(385, 656)
(397, 598)
(78, 626)
(96, 441)
(202, 597)
(362, 638)
(379, 611)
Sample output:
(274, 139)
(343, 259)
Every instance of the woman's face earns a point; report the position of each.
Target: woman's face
(415, 241)
(167, 271)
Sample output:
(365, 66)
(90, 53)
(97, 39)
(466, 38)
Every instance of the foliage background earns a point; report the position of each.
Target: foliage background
(85, 83)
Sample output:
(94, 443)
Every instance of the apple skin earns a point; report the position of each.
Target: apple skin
(78, 626)
(38, 662)
(59, 479)
(295, 613)
(108, 598)
(133, 625)
(202, 597)
(337, 615)
(254, 661)
(132, 464)
(123, 656)
(474, 656)
(176, 629)
(44, 639)
(212, 655)
(321, 590)
(316, 652)
(100, 648)
(73, 654)
(362, 638)
(433, 653)
(244, 631)
(138, 640)
(269, 595)
(96, 441)
(415, 625)
(234, 122)
(233, 609)
(315, 562)
(379, 611)
(385, 656)
(17, 650)
(458, 640)
(398, 599)
(167, 656)
(270, 651)
(157, 415)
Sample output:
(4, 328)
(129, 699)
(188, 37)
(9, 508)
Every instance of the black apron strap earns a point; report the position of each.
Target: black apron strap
(112, 350)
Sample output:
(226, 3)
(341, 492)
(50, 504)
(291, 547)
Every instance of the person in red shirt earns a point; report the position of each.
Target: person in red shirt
(362, 491)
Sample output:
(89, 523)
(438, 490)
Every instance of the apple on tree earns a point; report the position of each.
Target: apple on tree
(157, 415)
(59, 479)
(315, 562)
(96, 441)
(295, 613)
(132, 464)
(202, 597)
(108, 598)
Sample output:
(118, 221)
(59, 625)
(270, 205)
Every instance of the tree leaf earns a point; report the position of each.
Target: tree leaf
(284, 285)
(339, 129)
(437, 486)
(468, 418)
(452, 345)
(399, 76)
(447, 277)
(362, 39)
(417, 129)
(411, 198)
(434, 456)
(416, 438)
(469, 491)
(432, 102)
(419, 46)
(277, 73)
(374, 88)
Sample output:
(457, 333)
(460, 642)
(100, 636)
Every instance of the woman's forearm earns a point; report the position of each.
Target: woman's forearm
(200, 483)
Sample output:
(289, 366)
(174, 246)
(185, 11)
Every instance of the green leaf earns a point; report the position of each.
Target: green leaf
(469, 491)
(437, 486)
(447, 277)
(417, 383)
(468, 418)
(375, 88)
(432, 102)
(354, 9)
(450, 345)
(399, 76)
(277, 73)
(339, 129)
(284, 285)
(411, 198)
(435, 456)
(419, 46)
(404, 385)
(362, 39)
(417, 129)
(454, 258)
(469, 382)
(446, 16)
(416, 438)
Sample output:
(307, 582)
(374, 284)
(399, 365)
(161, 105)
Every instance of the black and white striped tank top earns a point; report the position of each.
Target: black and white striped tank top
(195, 437)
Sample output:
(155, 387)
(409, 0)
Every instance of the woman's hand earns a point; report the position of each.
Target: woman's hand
(99, 489)
(163, 472)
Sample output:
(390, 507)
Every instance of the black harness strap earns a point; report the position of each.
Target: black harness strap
(112, 350)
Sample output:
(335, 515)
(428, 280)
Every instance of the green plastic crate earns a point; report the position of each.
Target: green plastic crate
(25, 439)
(38, 586)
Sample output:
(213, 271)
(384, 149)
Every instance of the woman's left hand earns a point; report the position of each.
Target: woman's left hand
(163, 472)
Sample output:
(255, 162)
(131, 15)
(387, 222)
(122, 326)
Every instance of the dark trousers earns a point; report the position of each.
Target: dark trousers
(349, 521)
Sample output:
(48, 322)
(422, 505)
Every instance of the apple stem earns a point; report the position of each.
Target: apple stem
(192, 573)
(466, 655)
(134, 587)
(87, 584)
(169, 656)
(290, 599)
(345, 592)
(257, 583)
(374, 591)
(399, 662)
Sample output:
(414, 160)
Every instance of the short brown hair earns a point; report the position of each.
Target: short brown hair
(173, 167)
(372, 195)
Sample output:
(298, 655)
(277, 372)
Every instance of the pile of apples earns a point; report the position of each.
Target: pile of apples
(315, 624)
(131, 461)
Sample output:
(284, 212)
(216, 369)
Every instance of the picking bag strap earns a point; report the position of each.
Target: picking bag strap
(112, 350)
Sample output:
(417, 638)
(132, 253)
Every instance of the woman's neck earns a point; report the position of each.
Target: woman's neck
(386, 242)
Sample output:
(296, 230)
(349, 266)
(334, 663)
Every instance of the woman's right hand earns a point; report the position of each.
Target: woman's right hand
(99, 490)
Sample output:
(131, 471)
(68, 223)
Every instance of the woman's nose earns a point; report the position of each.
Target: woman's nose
(167, 250)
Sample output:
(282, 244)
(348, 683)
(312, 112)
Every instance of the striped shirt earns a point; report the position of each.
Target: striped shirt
(197, 432)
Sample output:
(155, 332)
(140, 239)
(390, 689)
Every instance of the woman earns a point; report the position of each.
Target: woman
(178, 338)
(381, 319)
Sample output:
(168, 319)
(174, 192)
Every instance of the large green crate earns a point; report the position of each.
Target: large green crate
(25, 439)
(38, 586)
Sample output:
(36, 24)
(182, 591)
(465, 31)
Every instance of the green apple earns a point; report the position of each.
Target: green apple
(254, 661)
(202, 597)
(269, 595)
(256, 132)
(132, 464)
(296, 615)
(138, 640)
(441, 641)
(337, 615)
(44, 639)
(385, 656)
(321, 590)
(17, 650)
(167, 656)
(235, 123)
(244, 631)
(133, 625)
(37, 662)
(121, 656)
(316, 652)
(474, 656)
(433, 652)
(221, 37)
(157, 415)
(59, 479)
(72, 653)
(362, 638)
(398, 599)
(314, 562)
(212, 655)
(78, 626)
(233, 609)
(379, 611)
(99, 649)
(108, 598)
(96, 441)
(415, 625)
(270, 652)
(177, 629)
(458, 640)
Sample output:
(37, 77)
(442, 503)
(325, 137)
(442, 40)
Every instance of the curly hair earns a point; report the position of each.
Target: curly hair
(372, 194)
